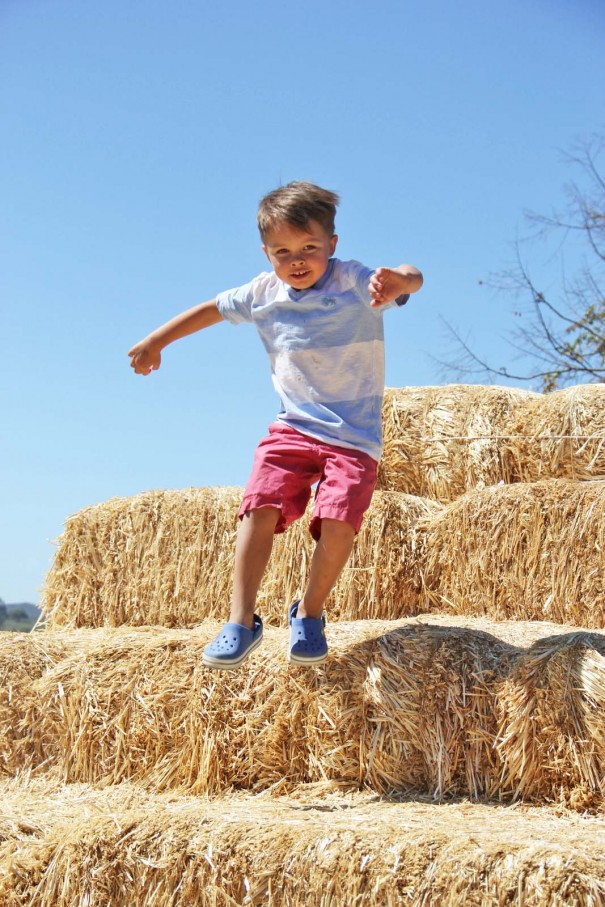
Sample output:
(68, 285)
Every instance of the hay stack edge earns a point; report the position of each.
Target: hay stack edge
(450, 752)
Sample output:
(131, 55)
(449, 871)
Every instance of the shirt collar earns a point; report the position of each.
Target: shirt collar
(325, 277)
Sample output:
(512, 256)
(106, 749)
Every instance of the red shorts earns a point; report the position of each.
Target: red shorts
(287, 463)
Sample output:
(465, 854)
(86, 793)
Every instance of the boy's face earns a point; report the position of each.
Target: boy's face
(299, 257)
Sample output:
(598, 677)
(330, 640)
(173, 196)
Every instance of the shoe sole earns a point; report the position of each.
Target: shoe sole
(297, 660)
(223, 665)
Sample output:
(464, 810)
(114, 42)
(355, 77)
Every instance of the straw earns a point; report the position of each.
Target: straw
(443, 441)
(403, 705)
(78, 846)
(24, 658)
(439, 442)
(552, 729)
(166, 558)
(530, 551)
(562, 435)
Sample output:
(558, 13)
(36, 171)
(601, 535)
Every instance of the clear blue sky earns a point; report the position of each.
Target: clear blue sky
(137, 137)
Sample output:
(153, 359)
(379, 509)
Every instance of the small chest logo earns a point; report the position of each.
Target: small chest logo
(329, 302)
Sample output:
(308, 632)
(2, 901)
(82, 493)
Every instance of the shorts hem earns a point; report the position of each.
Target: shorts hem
(258, 502)
(334, 512)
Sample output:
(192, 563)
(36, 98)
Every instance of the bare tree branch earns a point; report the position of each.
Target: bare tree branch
(565, 339)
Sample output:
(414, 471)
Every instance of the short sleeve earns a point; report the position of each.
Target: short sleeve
(361, 275)
(236, 305)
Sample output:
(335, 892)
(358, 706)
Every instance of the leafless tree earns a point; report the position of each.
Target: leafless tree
(560, 336)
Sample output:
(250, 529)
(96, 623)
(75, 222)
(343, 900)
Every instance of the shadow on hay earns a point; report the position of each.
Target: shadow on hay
(459, 639)
(460, 713)
(421, 710)
(448, 642)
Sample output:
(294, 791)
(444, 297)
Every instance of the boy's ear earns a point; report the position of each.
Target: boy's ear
(264, 248)
(333, 244)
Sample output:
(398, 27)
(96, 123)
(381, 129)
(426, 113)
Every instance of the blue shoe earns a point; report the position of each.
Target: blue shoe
(232, 646)
(308, 644)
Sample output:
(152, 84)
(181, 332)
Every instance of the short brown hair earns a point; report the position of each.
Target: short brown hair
(297, 204)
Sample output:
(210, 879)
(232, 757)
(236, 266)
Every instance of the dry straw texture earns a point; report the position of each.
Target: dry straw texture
(23, 660)
(166, 558)
(443, 441)
(530, 551)
(74, 846)
(561, 435)
(552, 732)
(403, 705)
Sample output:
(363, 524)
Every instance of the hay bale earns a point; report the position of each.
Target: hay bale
(403, 705)
(530, 551)
(77, 845)
(24, 658)
(156, 558)
(166, 558)
(560, 435)
(431, 700)
(552, 721)
(439, 442)
(142, 707)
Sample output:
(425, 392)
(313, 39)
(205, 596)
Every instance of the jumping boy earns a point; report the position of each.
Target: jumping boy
(320, 321)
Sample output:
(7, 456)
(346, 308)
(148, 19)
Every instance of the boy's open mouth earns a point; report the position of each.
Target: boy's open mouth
(298, 275)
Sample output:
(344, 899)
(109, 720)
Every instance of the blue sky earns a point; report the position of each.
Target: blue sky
(137, 137)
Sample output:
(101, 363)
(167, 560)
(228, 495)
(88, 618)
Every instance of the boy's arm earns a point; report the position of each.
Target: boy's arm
(387, 284)
(146, 355)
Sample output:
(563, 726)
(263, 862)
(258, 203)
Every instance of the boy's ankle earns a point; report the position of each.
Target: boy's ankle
(242, 616)
(309, 611)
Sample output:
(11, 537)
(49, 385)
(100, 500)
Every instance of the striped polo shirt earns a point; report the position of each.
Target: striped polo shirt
(326, 350)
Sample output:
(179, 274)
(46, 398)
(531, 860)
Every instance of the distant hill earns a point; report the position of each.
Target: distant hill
(31, 610)
(18, 617)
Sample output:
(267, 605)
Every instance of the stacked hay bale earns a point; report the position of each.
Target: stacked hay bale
(132, 773)
(166, 558)
(441, 442)
(108, 846)
(123, 736)
(128, 846)
(521, 477)
(529, 551)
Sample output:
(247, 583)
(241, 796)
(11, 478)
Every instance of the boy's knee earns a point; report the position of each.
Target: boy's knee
(265, 514)
(329, 528)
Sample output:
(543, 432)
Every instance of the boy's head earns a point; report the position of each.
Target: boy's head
(296, 224)
(296, 204)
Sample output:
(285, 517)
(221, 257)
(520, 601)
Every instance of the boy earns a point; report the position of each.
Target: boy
(320, 320)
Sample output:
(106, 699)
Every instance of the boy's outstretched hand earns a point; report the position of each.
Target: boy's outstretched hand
(386, 284)
(145, 358)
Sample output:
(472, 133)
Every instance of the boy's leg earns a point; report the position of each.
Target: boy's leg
(330, 556)
(252, 551)
(276, 493)
(343, 495)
